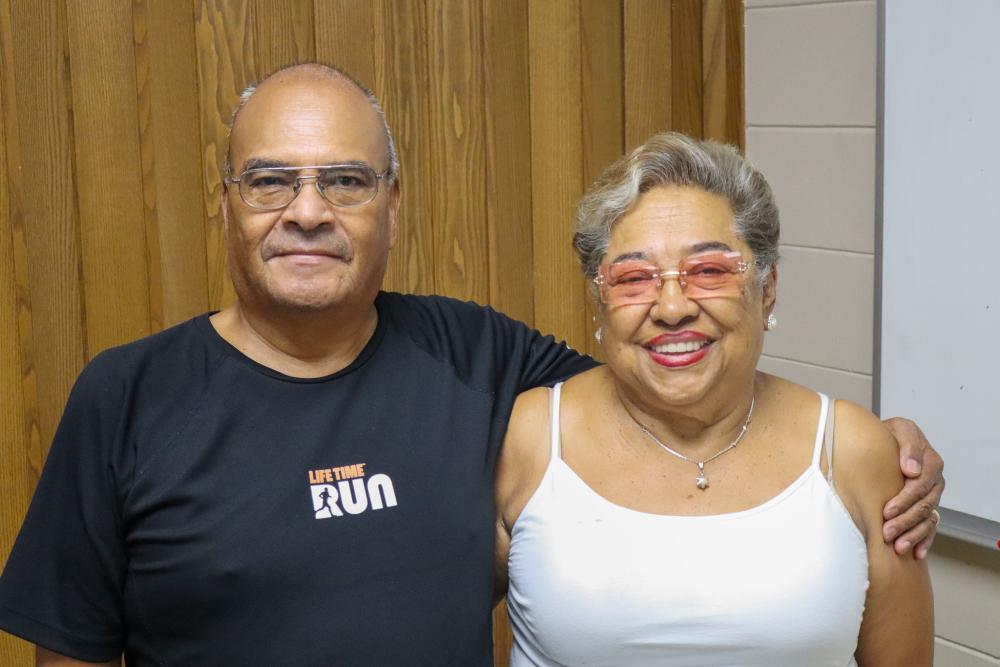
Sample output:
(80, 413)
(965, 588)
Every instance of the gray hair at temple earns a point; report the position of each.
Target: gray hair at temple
(671, 158)
(331, 72)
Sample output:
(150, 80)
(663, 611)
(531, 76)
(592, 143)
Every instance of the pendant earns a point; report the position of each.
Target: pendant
(702, 481)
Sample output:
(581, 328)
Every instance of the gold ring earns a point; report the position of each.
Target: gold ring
(936, 517)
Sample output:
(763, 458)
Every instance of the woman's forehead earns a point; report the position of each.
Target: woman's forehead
(675, 221)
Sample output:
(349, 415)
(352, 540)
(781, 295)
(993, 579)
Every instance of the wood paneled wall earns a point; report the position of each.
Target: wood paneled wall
(113, 129)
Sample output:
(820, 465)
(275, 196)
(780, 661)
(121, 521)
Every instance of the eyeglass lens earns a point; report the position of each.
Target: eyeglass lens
(701, 277)
(340, 185)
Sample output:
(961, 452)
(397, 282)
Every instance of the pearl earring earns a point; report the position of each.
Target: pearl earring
(771, 323)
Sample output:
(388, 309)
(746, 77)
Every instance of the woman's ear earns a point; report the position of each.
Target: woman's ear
(770, 291)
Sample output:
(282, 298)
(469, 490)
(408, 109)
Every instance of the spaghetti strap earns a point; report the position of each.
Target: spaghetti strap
(554, 440)
(828, 442)
(820, 429)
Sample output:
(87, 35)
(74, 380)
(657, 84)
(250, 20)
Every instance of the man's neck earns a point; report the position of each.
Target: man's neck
(303, 344)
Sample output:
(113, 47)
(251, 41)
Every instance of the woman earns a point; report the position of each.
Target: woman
(677, 506)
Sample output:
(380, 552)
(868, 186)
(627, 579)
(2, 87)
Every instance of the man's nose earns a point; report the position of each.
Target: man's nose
(309, 208)
(672, 306)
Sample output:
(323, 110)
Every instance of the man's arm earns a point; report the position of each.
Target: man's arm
(898, 623)
(46, 658)
(910, 522)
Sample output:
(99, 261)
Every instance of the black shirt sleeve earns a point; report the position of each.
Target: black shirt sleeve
(488, 349)
(545, 361)
(62, 587)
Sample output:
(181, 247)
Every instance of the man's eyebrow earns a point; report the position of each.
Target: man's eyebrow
(264, 163)
(268, 163)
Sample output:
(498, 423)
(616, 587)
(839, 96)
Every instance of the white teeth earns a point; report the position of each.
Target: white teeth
(676, 348)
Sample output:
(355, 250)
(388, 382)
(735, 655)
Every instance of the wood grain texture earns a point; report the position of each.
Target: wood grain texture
(109, 173)
(284, 33)
(45, 214)
(722, 74)
(458, 149)
(167, 93)
(508, 160)
(403, 82)
(556, 166)
(686, 73)
(15, 474)
(648, 69)
(348, 35)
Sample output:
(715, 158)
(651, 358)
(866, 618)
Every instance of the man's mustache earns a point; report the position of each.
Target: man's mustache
(307, 243)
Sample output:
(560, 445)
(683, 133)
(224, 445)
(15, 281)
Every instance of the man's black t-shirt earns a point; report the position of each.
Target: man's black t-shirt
(200, 509)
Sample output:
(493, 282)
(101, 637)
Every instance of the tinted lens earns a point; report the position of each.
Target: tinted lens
(266, 188)
(702, 276)
(348, 186)
(628, 282)
(715, 275)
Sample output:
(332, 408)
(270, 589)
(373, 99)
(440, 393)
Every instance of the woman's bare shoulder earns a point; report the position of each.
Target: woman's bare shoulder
(865, 463)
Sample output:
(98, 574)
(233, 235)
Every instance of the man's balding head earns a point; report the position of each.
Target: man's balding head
(316, 73)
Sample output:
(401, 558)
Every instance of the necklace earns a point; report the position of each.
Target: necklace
(702, 480)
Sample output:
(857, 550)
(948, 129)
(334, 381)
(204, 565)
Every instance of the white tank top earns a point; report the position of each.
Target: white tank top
(594, 583)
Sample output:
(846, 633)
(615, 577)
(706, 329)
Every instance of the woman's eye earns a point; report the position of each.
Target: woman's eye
(707, 270)
(634, 277)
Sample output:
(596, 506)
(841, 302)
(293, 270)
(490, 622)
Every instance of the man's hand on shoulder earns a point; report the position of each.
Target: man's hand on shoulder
(910, 516)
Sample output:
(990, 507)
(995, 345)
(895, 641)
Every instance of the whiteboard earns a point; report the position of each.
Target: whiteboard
(940, 244)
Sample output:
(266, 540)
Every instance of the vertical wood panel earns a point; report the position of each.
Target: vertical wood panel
(283, 34)
(109, 184)
(685, 57)
(508, 161)
(648, 90)
(45, 212)
(15, 474)
(346, 37)
(458, 154)
(225, 67)
(556, 166)
(166, 78)
(402, 79)
(722, 73)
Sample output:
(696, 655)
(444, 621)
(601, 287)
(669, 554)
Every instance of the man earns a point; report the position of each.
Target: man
(306, 476)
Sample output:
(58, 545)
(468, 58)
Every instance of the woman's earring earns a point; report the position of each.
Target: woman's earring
(599, 335)
(771, 323)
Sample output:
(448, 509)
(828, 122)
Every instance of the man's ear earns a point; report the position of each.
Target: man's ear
(394, 199)
(224, 205)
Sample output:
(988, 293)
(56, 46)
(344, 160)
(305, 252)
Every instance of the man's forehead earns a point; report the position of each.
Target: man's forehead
(310, 94)
(307, 111)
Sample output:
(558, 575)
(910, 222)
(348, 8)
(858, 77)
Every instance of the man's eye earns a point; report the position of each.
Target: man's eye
(268, 181)
(346, 180)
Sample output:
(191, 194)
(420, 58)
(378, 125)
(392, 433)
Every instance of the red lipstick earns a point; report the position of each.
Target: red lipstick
(679, 359)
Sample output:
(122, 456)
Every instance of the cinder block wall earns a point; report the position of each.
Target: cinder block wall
(811, 114)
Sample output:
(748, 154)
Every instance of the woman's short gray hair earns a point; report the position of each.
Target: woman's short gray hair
(671, 158)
